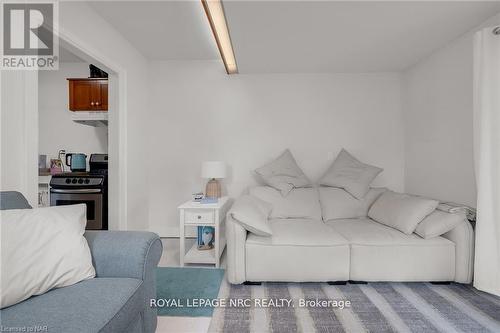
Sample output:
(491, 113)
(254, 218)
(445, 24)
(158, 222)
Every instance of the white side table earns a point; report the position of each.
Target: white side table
(194, 214)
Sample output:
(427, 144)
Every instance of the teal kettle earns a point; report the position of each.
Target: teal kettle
(77, 162)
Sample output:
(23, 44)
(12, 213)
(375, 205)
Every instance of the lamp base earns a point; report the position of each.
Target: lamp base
(213, 189)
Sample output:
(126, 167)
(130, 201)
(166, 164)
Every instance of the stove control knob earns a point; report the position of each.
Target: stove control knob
(74, 181)
(68, 180)
(87, 180)
(80, 181)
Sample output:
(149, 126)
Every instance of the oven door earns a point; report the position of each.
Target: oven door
(92, 198)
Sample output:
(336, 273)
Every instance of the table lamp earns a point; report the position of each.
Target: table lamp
(213, 170)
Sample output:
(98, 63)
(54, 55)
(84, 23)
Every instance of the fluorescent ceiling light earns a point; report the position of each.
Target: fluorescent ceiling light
(217, 20)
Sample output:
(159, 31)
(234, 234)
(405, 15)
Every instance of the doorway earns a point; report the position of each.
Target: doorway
(110, 139)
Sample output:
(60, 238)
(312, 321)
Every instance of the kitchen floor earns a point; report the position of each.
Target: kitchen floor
(170, 258)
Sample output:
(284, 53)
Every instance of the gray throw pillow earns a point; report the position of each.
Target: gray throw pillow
(283, 174)
(252, 214)
(350, 174)
(401, 211)
(438, 223)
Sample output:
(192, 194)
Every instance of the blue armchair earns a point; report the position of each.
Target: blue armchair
(117, 300)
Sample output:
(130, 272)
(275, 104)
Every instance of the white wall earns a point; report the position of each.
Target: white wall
(438, 123)
(18, 133)
(83, 26)
(199, 113)
(56, 129)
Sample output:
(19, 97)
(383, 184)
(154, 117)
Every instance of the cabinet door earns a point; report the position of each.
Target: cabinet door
(99, 95)
(80, 95)
(95, 101)
(104, 96)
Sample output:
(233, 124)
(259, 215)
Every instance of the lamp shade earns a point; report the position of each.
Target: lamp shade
(213, 169)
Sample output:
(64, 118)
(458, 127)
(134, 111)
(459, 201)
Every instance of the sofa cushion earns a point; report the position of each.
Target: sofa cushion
(350, 174)
(299, 250)
(97, 305)
(438, 223)
(401, 211)
(382, 253)
(299, 203)
(336, 203)
(300, 232)
(252, 213)
(283, 173)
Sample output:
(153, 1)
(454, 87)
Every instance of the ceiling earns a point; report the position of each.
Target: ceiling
(299, 36)
(162, 30)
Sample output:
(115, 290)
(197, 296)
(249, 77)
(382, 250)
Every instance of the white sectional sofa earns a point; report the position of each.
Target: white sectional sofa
(325, 234)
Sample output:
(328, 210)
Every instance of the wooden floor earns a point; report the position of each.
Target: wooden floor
(170, 258)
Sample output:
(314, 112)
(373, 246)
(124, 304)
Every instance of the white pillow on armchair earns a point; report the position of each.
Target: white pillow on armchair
(42, 249)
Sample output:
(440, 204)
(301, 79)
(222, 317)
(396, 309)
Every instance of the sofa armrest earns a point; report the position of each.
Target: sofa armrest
(463, 237)
(236, 237)
(131, 254)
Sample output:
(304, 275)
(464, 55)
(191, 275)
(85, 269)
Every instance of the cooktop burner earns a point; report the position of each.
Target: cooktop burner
(77, 180)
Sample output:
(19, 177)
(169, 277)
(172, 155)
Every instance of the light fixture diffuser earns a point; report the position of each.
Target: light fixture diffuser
(217, 20)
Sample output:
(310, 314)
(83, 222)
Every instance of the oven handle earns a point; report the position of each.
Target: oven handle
(81, 190)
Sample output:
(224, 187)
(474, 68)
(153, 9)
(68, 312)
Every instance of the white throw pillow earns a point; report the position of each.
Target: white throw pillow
(350, 174)
(438, 223)
(283, 173)
(42, 249)
(401, 211)
(299, 203)
(252, 213)
(337, 203)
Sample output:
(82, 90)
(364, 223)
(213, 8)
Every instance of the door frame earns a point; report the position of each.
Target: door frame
(117, 125)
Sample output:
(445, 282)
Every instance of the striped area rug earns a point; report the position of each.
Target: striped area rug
(375, 307)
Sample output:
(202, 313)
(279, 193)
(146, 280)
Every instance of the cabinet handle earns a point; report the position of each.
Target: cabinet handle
(199, 217)
(92, 103)
(97, 103)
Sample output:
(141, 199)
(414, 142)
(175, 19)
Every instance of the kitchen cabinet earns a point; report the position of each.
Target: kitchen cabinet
(88, 94)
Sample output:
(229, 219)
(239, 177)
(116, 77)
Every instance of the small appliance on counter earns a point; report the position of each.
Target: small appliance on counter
(77, 162)
(96, 72)
(98, 164)
(89, 188)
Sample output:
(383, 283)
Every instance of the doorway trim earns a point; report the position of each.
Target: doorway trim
(117, 126)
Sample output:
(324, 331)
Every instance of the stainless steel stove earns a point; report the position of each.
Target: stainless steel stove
(89, 188)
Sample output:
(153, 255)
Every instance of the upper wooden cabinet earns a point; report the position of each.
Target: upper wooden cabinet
(88, 94)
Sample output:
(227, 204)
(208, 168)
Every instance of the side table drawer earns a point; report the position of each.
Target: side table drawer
(199, 216)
